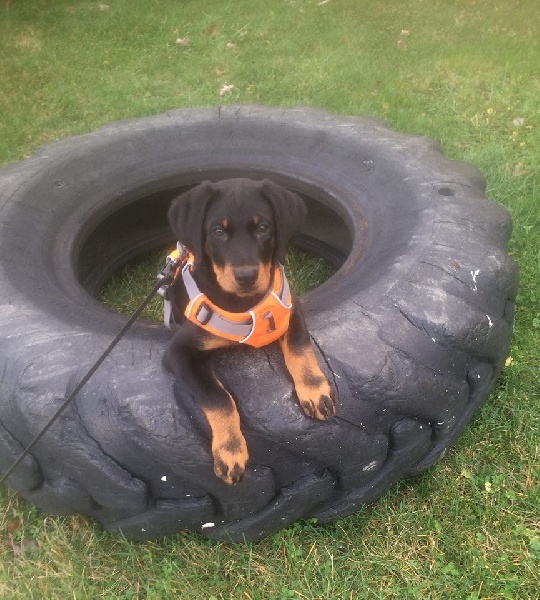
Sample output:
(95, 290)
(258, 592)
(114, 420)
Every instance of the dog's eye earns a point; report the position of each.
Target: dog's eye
(262, 228)
(218, 232)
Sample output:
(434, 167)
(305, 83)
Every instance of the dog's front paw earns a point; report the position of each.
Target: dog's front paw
(317, 400)
(230, 459)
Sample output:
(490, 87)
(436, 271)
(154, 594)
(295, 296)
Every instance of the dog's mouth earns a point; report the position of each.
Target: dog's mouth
(244, 281)
(246, 293)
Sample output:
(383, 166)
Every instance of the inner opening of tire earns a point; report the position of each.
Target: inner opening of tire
(128, 286)
(130, 242)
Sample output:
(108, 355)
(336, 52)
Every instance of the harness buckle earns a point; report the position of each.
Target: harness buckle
(172, 264)
(164, 289)
(204, 314)
(167, 275)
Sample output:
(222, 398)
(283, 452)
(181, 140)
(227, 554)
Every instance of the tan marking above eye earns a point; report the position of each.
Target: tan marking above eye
(256, 220)
(224, 223)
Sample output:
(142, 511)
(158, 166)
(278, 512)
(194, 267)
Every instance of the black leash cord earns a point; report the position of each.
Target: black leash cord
(168, 277)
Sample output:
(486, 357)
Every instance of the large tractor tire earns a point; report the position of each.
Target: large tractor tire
(412, 329)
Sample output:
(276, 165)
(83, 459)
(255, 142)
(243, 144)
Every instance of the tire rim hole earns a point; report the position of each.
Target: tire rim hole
(121, 251)
(139, 225)
(128, 286)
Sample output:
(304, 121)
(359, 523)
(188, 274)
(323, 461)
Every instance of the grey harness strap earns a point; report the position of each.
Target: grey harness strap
(206, 316)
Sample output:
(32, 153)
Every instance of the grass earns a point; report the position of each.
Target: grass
(464, 73)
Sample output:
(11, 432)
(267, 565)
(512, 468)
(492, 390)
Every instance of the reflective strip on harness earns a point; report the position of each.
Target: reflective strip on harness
(263, 324)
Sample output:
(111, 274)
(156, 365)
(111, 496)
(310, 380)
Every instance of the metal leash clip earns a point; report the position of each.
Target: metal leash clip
(168, 274)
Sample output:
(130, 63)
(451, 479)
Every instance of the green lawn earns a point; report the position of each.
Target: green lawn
(465, 73)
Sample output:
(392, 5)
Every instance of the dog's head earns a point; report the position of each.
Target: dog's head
(241, 227)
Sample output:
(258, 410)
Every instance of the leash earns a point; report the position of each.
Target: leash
(165, 279)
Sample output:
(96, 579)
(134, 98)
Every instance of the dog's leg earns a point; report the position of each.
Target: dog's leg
(312, 388)
(187, 358)
(229, 448)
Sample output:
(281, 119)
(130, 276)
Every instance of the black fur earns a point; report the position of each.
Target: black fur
(236, 228)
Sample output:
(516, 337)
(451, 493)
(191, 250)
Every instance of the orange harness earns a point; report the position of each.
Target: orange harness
(265, 323)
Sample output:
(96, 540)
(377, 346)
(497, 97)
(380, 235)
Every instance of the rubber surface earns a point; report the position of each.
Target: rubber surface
(412, 330)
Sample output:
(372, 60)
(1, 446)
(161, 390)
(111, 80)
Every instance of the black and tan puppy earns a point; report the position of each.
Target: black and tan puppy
(237, 232)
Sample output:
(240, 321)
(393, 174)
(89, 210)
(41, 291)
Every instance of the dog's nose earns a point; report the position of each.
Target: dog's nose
(246, 275)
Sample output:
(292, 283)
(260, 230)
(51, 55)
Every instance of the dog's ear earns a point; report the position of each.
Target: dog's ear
(289, 214)
(186, 216)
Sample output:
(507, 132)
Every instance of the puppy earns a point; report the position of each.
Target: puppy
(233, 291)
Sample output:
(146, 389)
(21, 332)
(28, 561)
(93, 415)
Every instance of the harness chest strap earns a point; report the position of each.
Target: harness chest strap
(265, 323)
(262, 325)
